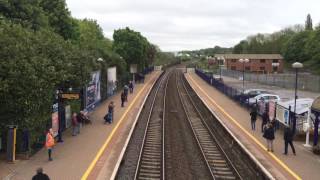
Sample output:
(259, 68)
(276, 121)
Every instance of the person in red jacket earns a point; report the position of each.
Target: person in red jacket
(49, 143)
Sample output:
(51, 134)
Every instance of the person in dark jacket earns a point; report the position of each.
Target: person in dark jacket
(269, 136)
(288, 137)
(265, 120)
(126, 90)
(253, 115)
(123, 99)
(40, 175)
(131, 87)
(111, 109)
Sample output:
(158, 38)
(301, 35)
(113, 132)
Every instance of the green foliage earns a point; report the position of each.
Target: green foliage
(131, 46)
(296, 43)
(294, 49)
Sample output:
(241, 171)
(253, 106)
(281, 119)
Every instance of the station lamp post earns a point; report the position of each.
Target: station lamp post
(295, 66)
(243, 61)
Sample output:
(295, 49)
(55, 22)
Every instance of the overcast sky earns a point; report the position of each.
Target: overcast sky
(193, 24)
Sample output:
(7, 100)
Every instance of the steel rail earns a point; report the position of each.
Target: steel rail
(210, 131)
(144, 142)
(194, 133)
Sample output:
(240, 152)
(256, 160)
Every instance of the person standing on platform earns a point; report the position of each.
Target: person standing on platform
(131, 87)
(74, 124)
(265, 120)
(111, 110)
(40, 175)
(288, 137)
(49, 143)
(269, 136)
(253, 115)
(123, 99)
(126, 90)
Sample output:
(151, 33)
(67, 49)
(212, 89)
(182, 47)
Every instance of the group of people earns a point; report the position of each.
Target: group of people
(124, 98)
(268, 129)
(77, 120)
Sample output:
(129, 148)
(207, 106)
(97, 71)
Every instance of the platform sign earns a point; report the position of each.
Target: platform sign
(133, 68)
(70, 96)
(55, 119)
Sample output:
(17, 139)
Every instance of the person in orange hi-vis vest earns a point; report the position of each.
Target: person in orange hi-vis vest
(49, 142)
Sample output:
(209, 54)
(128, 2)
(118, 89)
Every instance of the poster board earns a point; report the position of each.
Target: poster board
(93, 95)
(112, 78)
(282, 114)
(68, 116)
(55, 119)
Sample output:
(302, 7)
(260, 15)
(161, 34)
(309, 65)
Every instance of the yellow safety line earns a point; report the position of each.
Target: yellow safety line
(101, 150)
(249, 134)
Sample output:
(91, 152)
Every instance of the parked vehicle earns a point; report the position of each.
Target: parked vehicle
(255, 92)
(265, 98)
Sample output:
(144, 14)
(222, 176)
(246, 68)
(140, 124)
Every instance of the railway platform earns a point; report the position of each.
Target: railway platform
(305, 165)
(94, 152)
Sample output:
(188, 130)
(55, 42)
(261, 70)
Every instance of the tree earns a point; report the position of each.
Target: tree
(308, 24)
(131, 45)
(295, 48)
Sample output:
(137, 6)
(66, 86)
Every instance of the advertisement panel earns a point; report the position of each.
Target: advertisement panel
(112, 78)
(282, 115)
(93, 95)
(112, 74)
(55, 119)
(68, 116)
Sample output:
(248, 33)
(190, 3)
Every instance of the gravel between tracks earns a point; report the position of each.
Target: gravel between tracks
(183, 158)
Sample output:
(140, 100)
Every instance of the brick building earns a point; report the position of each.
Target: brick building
(259, 63)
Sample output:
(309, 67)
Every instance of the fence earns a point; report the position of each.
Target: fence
(305, 82)
(274, 110)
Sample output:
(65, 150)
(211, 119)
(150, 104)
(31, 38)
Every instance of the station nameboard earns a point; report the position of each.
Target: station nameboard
(70, 96)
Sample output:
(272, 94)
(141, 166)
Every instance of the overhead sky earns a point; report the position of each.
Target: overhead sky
(193, 24)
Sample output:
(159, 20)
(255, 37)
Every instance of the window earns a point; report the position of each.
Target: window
(275, 61)
(233, 68)
(262, 68)
(247, 68)
(262, 61)
(233, 60)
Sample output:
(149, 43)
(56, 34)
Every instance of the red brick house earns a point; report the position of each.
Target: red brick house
(259, 63)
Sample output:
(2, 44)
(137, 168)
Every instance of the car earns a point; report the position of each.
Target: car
(264, 98)
(255, 92)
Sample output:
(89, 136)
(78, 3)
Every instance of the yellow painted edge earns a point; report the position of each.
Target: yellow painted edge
(246, 132)
(104, 146)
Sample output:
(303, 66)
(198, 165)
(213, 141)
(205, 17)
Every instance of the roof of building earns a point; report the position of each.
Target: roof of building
(249, 56)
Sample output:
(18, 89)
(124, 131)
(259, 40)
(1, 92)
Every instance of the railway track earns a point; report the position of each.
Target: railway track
(151, 159)
(217, 161)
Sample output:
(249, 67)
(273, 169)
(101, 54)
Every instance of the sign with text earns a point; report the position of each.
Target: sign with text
(70, 96)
